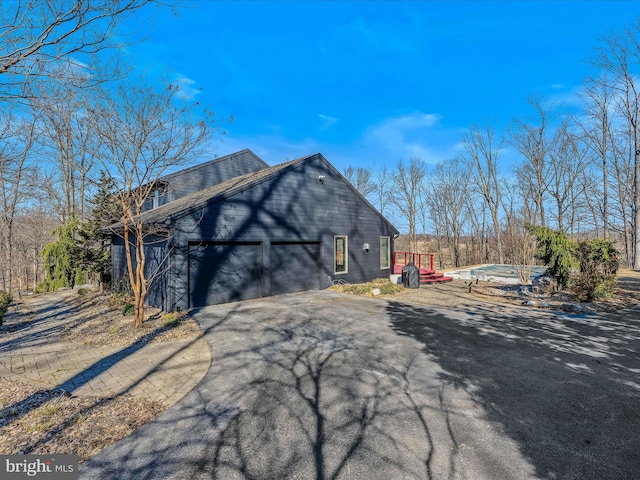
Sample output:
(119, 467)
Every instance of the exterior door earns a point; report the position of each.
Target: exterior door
(295, 267)
(224, 272)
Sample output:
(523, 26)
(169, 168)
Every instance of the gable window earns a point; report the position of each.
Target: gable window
(385, 252)
(156, 199)
(340, 254)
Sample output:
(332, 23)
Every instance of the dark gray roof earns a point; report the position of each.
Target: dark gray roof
(231, 156)
(190, 203)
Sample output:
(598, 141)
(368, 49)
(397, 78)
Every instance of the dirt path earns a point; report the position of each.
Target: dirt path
(75, 376)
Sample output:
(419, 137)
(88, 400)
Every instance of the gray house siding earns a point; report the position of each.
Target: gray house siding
(157, 260)
(295, 266)
(268, 232)
(118, 261)
(292, 213)
(199, 177)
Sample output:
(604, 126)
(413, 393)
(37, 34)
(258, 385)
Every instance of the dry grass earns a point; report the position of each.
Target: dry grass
(34, 421)
(626, 294)
(100, 321)
(37, 421)
(379, 286)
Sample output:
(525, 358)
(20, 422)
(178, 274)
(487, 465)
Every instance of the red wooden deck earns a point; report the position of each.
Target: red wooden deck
(424, 262)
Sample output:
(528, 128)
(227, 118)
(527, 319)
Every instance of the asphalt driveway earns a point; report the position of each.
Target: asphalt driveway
(321, 385)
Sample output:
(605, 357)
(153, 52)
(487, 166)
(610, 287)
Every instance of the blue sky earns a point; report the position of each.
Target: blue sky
(369, 83)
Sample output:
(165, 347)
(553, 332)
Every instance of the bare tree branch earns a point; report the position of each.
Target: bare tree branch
(144, 131)
(36, 38)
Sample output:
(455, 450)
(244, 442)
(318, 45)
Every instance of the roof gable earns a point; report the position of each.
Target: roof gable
(184, 206)
(215, 161)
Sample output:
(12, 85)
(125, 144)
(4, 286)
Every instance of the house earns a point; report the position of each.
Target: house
(236, 229)
(190, 180)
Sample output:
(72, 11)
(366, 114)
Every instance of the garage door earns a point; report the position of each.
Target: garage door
(224, 272)
(295, 267)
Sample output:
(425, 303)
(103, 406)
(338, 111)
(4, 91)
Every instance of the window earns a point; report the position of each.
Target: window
(385, 252)
(156, 199)
(340, 254)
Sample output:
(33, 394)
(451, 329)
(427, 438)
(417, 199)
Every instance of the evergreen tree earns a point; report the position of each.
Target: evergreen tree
(95, 245)
(61, 259)
(558, 252)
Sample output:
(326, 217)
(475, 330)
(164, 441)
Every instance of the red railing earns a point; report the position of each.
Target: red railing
(420, 260)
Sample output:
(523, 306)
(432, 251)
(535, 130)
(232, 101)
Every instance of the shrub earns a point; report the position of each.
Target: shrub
(83, 291)
(589, 287)
(119, 300)
(122, 286)
(172, 319)
(598, 255)
(5, 300)
(558, 252)
(128, 309)
(598, 265)
(61, 259)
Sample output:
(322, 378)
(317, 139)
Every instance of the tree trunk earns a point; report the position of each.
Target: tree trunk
(10, 253)
(628, 240)
(496, 225)
(605, 186)
(560, 207)
(139, 309)
(636, 207)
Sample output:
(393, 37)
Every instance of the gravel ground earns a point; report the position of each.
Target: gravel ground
(456, 295)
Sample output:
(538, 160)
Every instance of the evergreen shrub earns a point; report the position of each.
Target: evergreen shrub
(5, 300)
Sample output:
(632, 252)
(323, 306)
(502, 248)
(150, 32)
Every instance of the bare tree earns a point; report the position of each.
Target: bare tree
(37, 36)
(383, 187)
(530, 139)
(360, 178)
(621, 214)
(598, 99)
(519, 245)
(481, 153)
(478, 248)
(143, 132)
(446, 194)
(407, 182)
(66, 133)
(619, 57)
(591, 195)
(32, 231)
(567, 163)
(17, 140)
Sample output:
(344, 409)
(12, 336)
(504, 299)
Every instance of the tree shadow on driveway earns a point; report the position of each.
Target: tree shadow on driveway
(565, 388)
(314, 386)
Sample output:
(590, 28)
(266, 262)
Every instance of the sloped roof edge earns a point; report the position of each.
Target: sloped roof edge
(190, 203)
(224, 158)
(355, 190)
